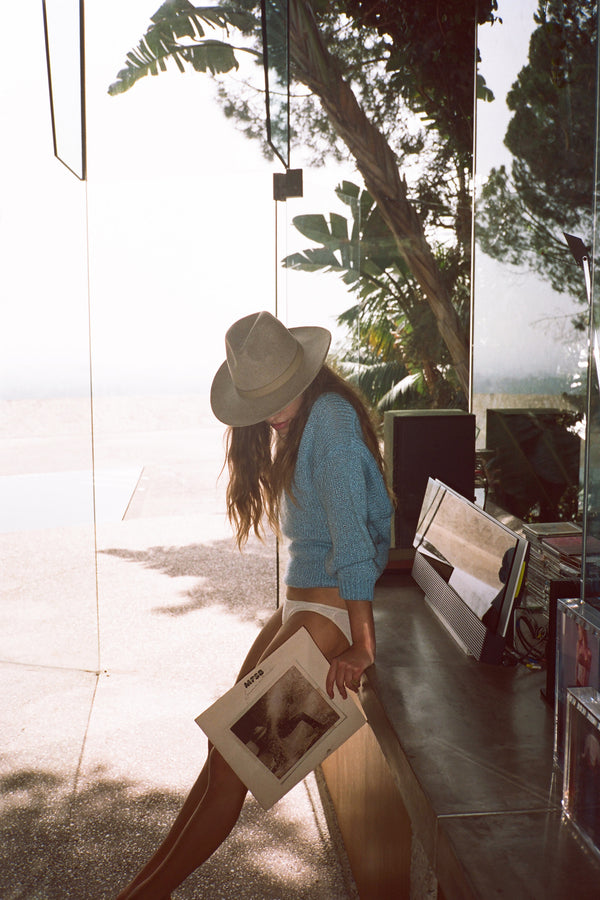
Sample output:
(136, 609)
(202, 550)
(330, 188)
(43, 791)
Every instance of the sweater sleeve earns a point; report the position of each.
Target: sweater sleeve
(358, 511)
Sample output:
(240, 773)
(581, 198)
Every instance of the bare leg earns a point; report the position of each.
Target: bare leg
(205, 830)
(214, 804)
(197, 792)
(191, 803)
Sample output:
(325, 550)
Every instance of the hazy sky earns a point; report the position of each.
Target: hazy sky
(173, 234)
(172, 237)
(520, 321)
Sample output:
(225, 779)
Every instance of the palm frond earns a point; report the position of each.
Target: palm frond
(178, 35)
(403, 393)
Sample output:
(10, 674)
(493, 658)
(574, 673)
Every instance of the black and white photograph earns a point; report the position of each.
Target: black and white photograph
(286, 722)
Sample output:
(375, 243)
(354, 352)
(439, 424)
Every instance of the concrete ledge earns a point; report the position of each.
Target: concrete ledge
(470, 777)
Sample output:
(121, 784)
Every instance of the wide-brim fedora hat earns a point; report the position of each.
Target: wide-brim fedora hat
(267, 367)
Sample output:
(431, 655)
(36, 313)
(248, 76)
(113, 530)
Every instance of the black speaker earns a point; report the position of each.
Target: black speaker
(534, 462)
(419, 444)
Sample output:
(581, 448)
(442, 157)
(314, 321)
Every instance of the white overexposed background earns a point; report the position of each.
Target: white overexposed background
(172, 237)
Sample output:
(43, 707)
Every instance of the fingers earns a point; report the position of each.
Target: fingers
(330, 680)
(344, 677)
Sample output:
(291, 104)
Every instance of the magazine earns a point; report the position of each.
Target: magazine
(278, 723)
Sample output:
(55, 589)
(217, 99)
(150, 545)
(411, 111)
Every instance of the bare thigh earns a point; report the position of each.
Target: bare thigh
(326, 635)
(265, 636)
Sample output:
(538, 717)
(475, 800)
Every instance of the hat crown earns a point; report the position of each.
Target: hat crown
(266, 368)
(261, 352)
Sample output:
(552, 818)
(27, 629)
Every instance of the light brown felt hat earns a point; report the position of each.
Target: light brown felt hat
(267, 366)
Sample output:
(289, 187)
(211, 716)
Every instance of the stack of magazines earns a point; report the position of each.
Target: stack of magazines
(554, 554)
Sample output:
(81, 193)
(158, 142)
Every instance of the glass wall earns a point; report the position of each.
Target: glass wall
(119, 577)
(592, 484)
(534, 182)
(118, 573)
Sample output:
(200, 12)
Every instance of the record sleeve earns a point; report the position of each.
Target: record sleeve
(581, 791)
(278, 723)
(577, 661)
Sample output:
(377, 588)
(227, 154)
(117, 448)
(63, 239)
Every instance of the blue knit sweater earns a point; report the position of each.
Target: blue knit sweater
(338, 523)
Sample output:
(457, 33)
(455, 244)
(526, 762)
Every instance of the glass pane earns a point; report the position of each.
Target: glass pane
(49, 624)
(535, 153)
(165, 290)
(591, 529)
(277, 76)
(63, 21)
(179, 229)
(46, 482)
(49, 627)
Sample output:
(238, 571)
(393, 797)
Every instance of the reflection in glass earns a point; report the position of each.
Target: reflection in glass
(275, 21)
(591, 565)
(535, 151)
(64, 32)
(534, 461)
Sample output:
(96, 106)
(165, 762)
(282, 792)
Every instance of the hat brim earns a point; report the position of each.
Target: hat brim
(233, 409)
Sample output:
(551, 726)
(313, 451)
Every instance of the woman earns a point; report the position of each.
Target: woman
(302, 453)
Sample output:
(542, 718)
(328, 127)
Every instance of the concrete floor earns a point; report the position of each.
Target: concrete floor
(106, 659)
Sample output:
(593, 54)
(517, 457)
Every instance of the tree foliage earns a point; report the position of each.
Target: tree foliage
(548, 188)
(402, 59)
(431, 58)
(178, 34)
(362, 70)
(395, 353)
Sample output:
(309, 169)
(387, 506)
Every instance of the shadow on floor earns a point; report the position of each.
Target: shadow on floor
(57, 846)
(237, 581)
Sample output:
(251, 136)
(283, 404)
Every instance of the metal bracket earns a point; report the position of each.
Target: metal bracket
(287, 184)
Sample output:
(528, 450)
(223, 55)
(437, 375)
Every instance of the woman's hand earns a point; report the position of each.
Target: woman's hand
(346, 669)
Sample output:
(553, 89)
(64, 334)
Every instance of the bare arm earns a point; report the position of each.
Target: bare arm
(346, 669)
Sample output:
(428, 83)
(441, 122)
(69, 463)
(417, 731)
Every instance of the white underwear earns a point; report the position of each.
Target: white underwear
(338, 616)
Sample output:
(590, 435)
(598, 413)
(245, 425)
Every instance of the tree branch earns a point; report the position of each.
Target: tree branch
(315, 67)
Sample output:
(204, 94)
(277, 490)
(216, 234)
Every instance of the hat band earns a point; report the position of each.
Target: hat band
(278, 382)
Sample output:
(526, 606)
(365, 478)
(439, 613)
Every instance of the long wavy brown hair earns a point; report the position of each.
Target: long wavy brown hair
(261, 465)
